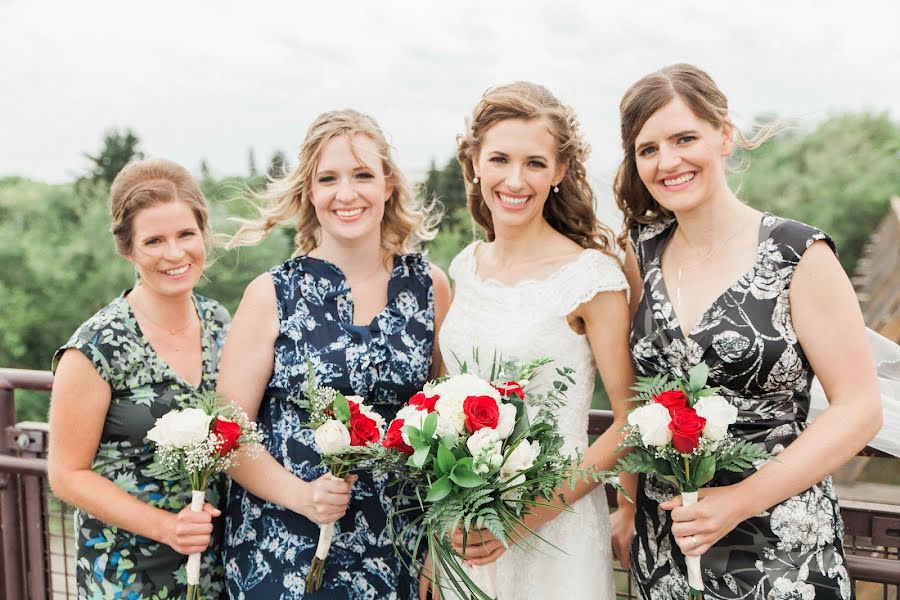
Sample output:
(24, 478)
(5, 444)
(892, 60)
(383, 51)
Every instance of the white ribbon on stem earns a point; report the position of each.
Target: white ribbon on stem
(326, 534)
(198, 497)
(695, 579)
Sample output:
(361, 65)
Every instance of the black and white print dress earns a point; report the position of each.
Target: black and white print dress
(795, 549)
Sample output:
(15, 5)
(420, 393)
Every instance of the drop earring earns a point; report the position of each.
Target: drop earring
(475, 179)
(555, 188)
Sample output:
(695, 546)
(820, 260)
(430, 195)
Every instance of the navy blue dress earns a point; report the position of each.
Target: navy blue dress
(268, 548)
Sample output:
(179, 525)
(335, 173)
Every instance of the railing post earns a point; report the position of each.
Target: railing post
(31, 445)
(11, 573)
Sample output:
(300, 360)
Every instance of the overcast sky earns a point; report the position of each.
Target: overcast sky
(210, 80)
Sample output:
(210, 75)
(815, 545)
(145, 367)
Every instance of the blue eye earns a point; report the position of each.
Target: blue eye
(327, 179)
(686, 139)
(537, 164)
(647, 151)
(364, 175)
(497, 159)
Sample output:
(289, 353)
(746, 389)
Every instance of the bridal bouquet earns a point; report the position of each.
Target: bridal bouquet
(476, 460)
(196, 443)
(680, 433)
(344, 429)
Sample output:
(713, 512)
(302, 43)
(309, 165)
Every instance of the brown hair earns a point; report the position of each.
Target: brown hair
(406, 222)
(571, 211)
(145, 183)
(640, 102)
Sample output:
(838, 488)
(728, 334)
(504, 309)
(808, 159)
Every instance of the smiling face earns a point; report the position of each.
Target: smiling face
(349, 189)
(517, 165)
(168, 248)
(681, 158)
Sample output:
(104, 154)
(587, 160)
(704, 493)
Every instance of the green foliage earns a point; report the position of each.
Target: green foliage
(838, 177)
(447, 188)
(119, 148)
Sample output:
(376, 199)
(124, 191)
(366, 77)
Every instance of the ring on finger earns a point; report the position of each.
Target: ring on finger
(694, 542)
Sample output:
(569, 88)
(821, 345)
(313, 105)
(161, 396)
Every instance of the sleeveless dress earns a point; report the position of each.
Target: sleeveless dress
(528, 321)
(794, 549)
(268, 548)
(112, 562)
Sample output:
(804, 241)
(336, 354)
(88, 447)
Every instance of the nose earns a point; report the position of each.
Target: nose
(345, 192)
(668, 158)
(514, 179)
(173, 250)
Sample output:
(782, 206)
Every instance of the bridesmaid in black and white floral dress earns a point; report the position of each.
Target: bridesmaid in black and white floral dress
(787, 308)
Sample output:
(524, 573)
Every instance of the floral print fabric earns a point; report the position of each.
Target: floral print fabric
(112, 562)
(269, 548)
(795, 549)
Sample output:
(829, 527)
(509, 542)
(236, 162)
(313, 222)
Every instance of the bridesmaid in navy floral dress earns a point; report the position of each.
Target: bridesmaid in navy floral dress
(362, 308)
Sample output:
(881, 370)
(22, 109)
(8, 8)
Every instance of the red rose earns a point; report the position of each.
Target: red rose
(686, 426)
(481, 411)
(674, 400)
(363, 429)
(510, 388)
(354, 407)
(393, 438)
(228, 433)
(423, 402)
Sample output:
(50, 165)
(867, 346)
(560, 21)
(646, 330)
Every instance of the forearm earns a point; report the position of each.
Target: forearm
(268, 479)
(104, 500)
(835, 437)
(629, 483)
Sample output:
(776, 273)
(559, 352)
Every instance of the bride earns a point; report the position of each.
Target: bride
(545, 283)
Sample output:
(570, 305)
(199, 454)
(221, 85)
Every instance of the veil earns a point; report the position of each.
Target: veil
(887, 364)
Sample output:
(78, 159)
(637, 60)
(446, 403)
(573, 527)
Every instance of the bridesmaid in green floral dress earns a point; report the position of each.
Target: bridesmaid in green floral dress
(145, 353)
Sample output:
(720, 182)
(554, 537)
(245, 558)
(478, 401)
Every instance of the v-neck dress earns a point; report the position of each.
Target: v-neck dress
(268, 547)
(746, 337)
(112, 562)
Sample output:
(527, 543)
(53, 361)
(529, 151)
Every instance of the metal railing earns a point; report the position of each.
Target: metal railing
(37, 535)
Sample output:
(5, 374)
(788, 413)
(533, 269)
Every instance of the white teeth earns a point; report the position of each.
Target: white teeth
(177, 271)
(511, 200)
(679, 180)
(351, 212)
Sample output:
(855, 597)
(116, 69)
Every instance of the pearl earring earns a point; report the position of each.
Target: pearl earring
(555, 188)
(475, 179)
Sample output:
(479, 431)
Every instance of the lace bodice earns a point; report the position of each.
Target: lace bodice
(527, 321)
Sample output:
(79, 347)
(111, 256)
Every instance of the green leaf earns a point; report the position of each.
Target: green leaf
(445, 460)
(341, 408)
(705, 470)
(439, 490)
(463, 475)
(420, 456)
(429, 427)
(698, 375)
(522, 423)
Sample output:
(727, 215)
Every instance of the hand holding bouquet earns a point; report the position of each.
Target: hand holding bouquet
(680, 433)
(344, 427)
(196, 443)
(476, 460)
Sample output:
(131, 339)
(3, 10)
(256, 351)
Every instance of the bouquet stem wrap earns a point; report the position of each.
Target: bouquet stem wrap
(198, 497)
(317, 566)
(695, 579)
(484, 576)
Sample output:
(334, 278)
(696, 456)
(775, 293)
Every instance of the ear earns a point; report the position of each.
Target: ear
(476, 158)
(561, 171)
(727, 140)
(388, 191)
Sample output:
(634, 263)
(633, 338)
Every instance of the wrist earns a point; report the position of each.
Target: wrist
(161, 526)
(299, 497)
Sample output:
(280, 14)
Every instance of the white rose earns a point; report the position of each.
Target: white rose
(459, 387)
(412, 417)
(520, 459)
(652, 421)
(486, 448)
(332, 436)
(507, 420)
(719, 414)
(181, 428)
(516, 493)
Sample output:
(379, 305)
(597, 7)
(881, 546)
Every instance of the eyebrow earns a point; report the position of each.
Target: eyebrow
(677, 134)
(533, 156)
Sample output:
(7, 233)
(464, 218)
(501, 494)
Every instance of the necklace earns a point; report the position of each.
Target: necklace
(168, 330)
(702, 260)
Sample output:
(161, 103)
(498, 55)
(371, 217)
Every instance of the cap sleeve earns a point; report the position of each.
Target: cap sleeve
(87, 346)
(593, 272)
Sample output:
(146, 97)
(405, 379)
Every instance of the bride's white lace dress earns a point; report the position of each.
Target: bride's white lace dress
(526, 321)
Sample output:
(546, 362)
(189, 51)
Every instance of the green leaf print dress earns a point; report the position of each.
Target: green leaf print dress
(112, 563)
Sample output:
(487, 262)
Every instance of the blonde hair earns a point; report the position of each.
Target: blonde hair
(406, 222)
(145, 183)
(640, 102)
(570, 211)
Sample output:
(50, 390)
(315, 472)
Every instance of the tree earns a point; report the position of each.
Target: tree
(251, 160)
(278, 166)
(838, 177)
(447, 188)
(119, 148)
